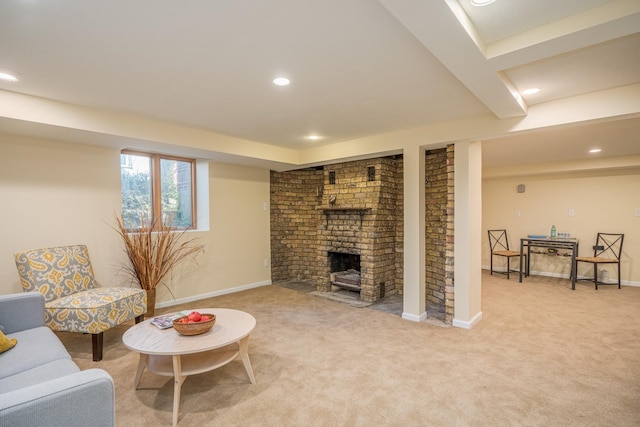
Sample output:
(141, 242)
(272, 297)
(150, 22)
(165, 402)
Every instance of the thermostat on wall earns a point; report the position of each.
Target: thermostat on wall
(521, 188)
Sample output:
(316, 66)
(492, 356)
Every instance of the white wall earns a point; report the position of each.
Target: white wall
(56, 193)
(602, 201)
(468, 234)
(238, 241)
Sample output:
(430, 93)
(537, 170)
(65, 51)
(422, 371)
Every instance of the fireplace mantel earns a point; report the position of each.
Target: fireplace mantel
(343, 208)
(328, 209)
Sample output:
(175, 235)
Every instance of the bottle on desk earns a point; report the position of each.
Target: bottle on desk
(553, 231)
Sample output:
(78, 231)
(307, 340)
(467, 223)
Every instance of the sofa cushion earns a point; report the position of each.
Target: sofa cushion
(6, 343)
(38, 374)
(37, 346)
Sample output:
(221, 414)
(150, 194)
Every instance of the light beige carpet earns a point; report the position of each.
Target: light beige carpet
(543, 355)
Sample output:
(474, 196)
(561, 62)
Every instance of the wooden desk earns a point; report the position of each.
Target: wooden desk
(549, 243)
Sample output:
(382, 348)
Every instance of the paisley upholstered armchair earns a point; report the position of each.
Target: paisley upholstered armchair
(73, 300)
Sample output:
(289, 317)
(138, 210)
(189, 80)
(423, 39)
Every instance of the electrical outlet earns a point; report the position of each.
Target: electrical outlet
(572, 212)
(517, 212)
(637, 212)
(266, 262)
(265, 206)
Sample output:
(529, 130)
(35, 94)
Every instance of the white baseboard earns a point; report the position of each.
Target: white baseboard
(212, 294)
(467, 324)
(415, 318)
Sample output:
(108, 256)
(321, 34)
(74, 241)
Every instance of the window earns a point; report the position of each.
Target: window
(157, 187)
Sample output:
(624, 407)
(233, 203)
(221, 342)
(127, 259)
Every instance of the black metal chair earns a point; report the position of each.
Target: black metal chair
(499, 243)
(607, 250)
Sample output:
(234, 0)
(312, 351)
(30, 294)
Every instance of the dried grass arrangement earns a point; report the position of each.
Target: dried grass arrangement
(153, 251)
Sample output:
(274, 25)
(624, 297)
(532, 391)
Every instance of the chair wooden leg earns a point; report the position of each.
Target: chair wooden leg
(139, 318)
(96, 344)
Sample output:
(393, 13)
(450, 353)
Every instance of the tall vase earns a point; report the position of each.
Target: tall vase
(151, 302)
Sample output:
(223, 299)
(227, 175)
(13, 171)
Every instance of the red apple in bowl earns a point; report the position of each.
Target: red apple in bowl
(194, 316)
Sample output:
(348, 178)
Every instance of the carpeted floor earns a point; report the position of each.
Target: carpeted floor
(543, 355)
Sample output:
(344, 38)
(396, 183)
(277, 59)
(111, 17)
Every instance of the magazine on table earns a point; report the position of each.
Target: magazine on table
(165, 321)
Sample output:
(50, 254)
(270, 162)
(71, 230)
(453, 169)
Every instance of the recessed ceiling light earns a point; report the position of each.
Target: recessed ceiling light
(481, 2)
(281, 81)
(8, 77)
(595, 150)
(531, 91)
(313, 137)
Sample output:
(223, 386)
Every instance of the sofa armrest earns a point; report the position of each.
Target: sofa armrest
(85, 398)
(22, 311)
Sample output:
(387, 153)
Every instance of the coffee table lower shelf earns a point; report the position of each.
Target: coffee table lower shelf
(192, 364)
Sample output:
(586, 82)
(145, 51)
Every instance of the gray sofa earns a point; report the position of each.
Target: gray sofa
(39, 383)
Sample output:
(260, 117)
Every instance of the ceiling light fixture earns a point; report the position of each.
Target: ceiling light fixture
(531, 91)
(481, 2)
(281, 81)
(313, 137)
(8, 77)
(595, 150)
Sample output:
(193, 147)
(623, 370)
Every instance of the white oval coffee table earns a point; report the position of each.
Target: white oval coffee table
(165, 352)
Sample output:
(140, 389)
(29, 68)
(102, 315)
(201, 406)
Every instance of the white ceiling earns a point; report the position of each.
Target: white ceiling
(357, 68)
(507, 18)
(616, 138)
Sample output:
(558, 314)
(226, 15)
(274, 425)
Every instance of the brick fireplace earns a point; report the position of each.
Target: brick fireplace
(356, 209)
(358, 216)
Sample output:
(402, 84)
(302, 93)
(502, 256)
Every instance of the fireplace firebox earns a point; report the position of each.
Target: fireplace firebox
(345, 270)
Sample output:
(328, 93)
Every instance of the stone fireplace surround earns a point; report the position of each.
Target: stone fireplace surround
(360, 221)
(366, 219)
